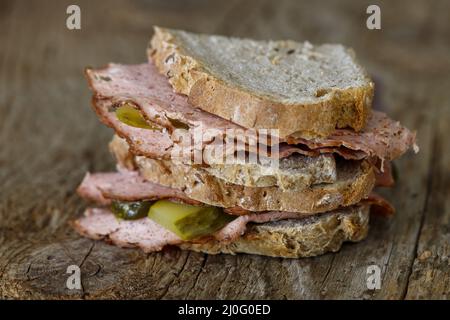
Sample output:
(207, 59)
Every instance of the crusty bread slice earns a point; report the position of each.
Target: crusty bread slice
(354, 181)
(296, 238)
(295, 172)
(299, 88)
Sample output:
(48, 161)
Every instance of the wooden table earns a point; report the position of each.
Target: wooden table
(49, 137)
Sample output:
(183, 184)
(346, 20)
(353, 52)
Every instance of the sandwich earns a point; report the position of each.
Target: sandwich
(230, 145)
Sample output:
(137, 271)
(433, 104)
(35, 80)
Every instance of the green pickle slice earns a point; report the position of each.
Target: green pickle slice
(129, 115)
(187, 221)
(130, 210)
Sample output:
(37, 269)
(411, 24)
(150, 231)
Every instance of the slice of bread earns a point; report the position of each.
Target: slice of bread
(299, 88)
(354, 181)
(296, 238)
(295, 172)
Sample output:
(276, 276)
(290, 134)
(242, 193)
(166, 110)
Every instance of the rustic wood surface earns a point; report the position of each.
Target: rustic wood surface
(49, 137)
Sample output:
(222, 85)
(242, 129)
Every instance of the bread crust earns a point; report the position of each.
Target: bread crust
(342, 108)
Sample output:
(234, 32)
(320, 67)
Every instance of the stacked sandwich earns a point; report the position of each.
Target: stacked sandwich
(227, 145)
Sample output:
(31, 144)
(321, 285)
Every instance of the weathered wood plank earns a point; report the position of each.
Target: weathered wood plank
(430, 276)
(49, 137)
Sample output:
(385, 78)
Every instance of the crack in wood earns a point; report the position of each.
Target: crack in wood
(176, 276)
(325, 278)
(87, 254)
(205, 257)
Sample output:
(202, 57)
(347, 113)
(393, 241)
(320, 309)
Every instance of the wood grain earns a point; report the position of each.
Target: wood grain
(50, 137)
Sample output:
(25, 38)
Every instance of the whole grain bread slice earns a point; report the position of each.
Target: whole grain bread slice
(354, 181)
(295, 172)
(296, 238)
(301, 89)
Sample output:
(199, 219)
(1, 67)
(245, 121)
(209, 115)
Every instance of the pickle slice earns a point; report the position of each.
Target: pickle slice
(130, 210)
(129, 115)
(186, 221)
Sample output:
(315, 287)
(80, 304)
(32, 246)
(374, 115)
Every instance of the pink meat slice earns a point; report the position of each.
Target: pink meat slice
(152, 92)
(384, 177)
(143, 142)
(126, 185)
(379, 205)
(98, 223)
(383, 138)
